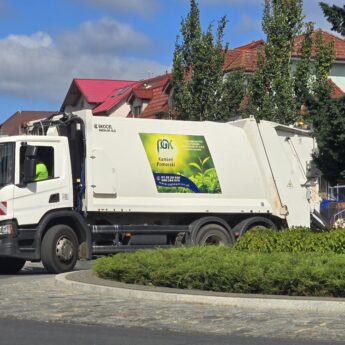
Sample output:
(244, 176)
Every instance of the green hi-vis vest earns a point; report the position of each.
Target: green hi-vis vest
(41, 172)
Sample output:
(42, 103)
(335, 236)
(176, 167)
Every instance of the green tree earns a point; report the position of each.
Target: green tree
(312, 71)
(327, 115)
(191, 33)
(234, 90)
(329, 123)
(272, 87)
(302, 77)
(200, 92)
(324, 59)
(336, 16)
(183, 62)
(277, 91)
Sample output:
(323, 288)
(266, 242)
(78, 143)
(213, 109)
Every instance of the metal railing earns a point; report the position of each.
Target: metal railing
(336, 193)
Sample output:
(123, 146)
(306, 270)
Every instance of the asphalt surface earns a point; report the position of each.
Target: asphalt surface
(35, 296)
(20, 332)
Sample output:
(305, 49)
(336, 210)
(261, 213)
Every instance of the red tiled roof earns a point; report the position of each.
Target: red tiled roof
(247, 59)
(107, 94)
(158, 104)
(143, 93)
(153, 90)
(339, 44)
(252, 45)
(158, 81)
(336, 90)
(14, 125)
(246, 56)
(159, 101)
(98, 90)
(114, 99)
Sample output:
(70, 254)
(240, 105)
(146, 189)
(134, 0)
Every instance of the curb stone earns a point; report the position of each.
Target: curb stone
(85, 281)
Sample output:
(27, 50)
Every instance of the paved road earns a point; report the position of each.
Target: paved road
(33, 295)
(36, 270)
(14, 332)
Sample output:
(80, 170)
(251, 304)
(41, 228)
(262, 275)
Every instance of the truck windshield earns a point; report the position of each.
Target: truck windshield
(6, 164)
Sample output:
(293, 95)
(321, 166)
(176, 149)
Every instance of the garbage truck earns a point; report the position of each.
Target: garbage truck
(122, 184)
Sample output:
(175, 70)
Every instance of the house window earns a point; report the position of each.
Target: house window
(137, 110)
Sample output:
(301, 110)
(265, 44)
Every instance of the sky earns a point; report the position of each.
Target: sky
(44, 44)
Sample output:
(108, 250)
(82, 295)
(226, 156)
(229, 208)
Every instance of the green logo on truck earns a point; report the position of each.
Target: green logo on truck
(164, 144)
(181, 163)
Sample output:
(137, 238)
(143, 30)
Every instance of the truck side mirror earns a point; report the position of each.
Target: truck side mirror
(31, 151)
(29, 170)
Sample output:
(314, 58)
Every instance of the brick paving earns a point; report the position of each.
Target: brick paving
(37, 297)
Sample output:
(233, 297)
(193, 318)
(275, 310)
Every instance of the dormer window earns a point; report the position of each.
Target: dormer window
(137, 110)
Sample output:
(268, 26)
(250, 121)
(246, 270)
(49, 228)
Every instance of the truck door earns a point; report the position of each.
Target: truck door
(50, 189)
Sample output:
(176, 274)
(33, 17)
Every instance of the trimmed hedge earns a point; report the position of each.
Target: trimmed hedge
(225, 269)
(292, 240)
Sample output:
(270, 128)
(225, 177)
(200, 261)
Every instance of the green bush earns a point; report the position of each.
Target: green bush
(225, 269)
(292, 240)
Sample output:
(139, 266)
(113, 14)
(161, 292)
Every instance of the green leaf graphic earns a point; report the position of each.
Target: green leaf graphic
(196, 165)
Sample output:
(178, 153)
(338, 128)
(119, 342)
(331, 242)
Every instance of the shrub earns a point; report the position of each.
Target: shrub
(292, 240)
(225, 269)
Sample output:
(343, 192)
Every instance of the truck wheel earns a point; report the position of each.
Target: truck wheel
(59, 250)
(253, 222)
(213, 234)
(11, 265)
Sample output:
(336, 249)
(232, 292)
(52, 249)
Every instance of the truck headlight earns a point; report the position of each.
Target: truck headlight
(7, 229)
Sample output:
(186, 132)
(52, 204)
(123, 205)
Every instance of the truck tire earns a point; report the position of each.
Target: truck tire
(253, 222)
(59, 249)
(212, 234)
(11, 265)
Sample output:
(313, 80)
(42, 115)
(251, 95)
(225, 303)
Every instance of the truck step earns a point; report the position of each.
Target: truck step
(24, 249)
(101, 250)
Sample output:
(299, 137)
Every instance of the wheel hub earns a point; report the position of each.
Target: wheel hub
(64, 249)
(213, 240)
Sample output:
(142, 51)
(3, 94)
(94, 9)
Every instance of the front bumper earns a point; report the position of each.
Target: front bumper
(20, 244)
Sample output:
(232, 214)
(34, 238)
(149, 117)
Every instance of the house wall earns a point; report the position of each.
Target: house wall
(81, 104)
(122, 110)
(338, 75)
(145, 104)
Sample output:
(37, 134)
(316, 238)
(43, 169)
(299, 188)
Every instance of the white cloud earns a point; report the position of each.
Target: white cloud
(41, 67)
(106, 35)
(141, 7)
(37, 40)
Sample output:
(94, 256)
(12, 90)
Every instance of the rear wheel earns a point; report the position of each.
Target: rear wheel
(59, 251)
(11, 265)
(213, 234)
(253, 222)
